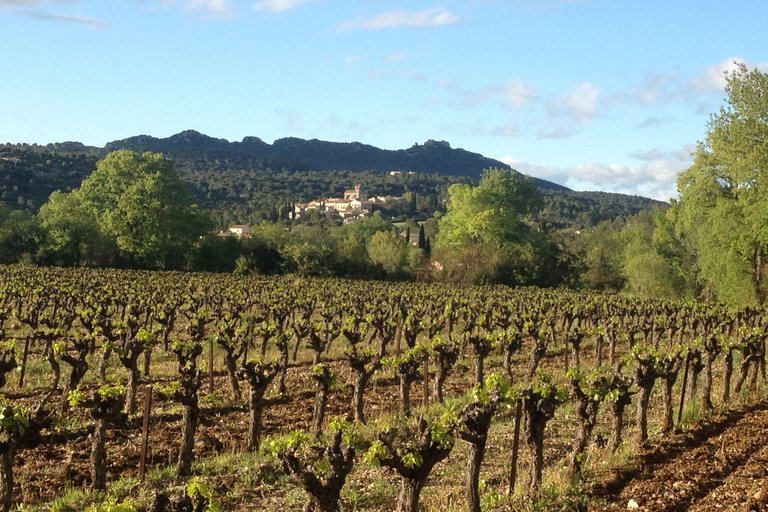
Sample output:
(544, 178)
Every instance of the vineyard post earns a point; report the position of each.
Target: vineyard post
(515, 447)
(425, 380)
(145, 432)
(682, 391)
(210, 365)
(24, 362)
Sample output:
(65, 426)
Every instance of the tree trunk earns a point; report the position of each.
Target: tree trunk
(230, 362)
(405, 394)
(99, 456)
(321, 402)
(480, 370)
(617, 414)
(189, 425)
(358, 396)
(666, 400)
(706, 381)
(79, 368)
(641, 417)
(727, 373)
(130, 389)
(440, 377)
(147, 360)
(254, 420)
(55, 368)
(410, 491)
(6, 493)
(474, 462)
(281, 387)
(103, 364)
(535, 440)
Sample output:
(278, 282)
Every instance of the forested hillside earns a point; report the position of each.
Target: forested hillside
(244, 183)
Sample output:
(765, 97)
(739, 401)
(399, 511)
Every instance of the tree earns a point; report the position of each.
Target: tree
(71, 228)
(140, 203)
(389, 250)
(492, 212)
(723, 202)
(484, 237)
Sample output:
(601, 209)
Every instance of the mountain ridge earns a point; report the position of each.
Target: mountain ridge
(432, 157)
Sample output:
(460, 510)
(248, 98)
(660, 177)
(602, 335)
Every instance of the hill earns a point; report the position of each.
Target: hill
(248, 180)
(432, 157)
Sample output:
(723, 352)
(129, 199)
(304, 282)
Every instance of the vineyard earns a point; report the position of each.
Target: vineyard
(151, 391)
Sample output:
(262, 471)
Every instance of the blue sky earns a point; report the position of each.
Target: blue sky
(593, 94)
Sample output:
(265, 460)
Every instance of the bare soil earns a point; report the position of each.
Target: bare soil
(721, 464)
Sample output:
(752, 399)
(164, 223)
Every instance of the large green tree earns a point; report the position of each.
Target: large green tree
(72, 233)
(492, 212)
(723, 207)
(141, 204)
(485, 237)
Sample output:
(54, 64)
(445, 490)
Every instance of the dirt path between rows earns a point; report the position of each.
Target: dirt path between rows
(719, 465)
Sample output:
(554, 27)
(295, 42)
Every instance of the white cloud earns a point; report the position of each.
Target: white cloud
(32, 2)
(447, 84)
(89, 22)
(653, 88)
(651, 155)
(518, 93)
(653, 122)
(218, 6)
(570, 111)
(582, 102)
(399, 73)
(657, 178)
(428, 18)
(396, 57)
(712, 78)
(354, 59)
(278, 5)
(507, 131)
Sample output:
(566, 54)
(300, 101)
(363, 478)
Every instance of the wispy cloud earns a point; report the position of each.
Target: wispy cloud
(89, 22)
(32, 2)
(396, 57)
(712, 78)
(656, 178)
(219, 6)
(399, 73)
(428, 18)
(279, 5)
(354, 59)
(567, 113)
(653, 122)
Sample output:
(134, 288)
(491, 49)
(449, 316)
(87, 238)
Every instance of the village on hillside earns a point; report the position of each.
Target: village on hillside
(355, 205)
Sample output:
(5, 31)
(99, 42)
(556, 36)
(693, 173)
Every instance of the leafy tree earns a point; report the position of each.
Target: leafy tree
(144, 207)
(723, 205)
(492, 212)
(484, 236)
(72, 230)
(389, 250)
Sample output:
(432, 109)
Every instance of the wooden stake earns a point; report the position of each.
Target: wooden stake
(425, 371)
(145, 432)
(24, 362)
(515, 447)
(682, 391)
(210, 365)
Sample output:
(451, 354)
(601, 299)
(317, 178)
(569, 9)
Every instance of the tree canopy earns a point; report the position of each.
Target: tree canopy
(138, 205)
(492, 212)
(723, 207)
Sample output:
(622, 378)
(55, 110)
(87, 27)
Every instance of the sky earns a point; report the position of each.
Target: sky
(608, 95)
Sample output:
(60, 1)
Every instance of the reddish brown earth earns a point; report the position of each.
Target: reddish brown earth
(719, 465)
